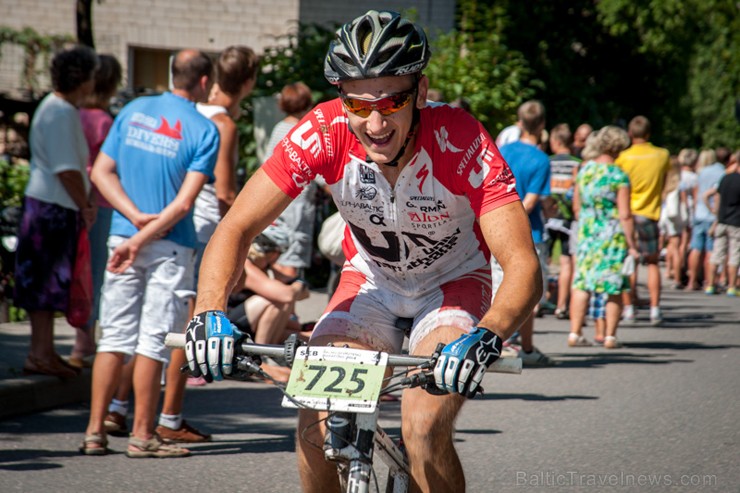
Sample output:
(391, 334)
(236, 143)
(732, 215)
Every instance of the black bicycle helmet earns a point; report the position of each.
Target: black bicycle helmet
(377, 44)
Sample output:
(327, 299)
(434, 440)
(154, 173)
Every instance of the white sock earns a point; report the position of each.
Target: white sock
(120, 407)
(628, 311)
(654, 311)
(171, 421)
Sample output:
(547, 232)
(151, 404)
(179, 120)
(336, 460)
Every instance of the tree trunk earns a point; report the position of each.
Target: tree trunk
(84, 23)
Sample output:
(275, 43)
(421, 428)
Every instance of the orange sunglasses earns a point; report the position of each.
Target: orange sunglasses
(385, 106)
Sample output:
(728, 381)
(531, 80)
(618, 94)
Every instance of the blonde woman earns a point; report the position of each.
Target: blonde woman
(605, 237)
(673, 219)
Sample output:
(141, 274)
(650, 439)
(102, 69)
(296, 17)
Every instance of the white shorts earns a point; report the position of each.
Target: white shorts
(140, 306)
(361, 311)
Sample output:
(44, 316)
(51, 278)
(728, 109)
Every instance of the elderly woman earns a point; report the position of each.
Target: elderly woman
(57, 202)
(605, 237)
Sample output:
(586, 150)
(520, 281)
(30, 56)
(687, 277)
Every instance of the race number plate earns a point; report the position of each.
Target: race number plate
(336, 379)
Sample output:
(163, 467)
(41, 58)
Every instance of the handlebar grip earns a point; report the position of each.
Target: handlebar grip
(175, 340)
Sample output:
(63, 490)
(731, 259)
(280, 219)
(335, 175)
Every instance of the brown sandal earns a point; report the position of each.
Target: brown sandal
(35, 366)
(153, 448)
(94, 444)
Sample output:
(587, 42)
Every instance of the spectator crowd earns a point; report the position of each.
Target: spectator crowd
(149, 188)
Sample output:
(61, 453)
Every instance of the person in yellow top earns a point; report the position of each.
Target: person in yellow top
(647, 167)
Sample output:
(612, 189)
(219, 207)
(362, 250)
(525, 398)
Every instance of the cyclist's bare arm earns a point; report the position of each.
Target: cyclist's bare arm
(509, 237)
(256, 206)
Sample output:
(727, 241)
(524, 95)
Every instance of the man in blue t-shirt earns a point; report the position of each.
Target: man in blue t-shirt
(531, 168)
(154, 162)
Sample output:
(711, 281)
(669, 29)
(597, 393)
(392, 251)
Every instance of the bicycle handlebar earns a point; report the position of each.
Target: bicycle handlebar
(502, 365)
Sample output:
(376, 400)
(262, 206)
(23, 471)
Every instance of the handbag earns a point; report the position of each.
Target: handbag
(628, 268)
(81, 288)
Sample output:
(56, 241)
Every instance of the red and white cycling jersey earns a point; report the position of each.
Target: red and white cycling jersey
(421, 233)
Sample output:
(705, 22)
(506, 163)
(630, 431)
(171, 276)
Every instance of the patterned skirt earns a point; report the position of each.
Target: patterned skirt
(47, 246)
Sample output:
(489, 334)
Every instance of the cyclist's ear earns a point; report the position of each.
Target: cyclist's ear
(421, 95)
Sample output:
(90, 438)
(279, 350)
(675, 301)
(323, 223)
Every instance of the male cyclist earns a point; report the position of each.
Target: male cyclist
(426, 196)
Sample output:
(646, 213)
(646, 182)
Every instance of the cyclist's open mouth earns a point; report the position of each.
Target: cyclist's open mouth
(381, 140)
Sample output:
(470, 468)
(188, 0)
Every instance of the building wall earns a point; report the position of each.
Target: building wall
(122, 25)
(164, 24)
(431, 14)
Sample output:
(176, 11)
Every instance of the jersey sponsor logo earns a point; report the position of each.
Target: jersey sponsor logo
(158, 137)
(366, 193)
(419, 198)
(300, 169)
(324, 129)
(443, 141)
(427, 208)
(504, 177)
(362, 206)
(310, 143)
(481, 168)
(367, 175)
(299, 180)
(469, 153)
(387, 248)
(424, 217)
(377, 220)
(422, 176)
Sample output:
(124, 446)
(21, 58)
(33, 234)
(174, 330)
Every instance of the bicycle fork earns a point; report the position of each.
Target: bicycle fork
(350, 441)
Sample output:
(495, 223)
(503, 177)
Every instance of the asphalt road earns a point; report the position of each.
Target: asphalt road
(660, 414)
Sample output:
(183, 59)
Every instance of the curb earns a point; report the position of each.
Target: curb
(30, 394)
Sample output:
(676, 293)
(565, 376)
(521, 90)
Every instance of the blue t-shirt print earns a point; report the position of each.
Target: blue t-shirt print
(150, 135)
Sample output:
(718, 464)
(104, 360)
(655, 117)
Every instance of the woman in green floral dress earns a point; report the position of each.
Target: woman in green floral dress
(605, 237)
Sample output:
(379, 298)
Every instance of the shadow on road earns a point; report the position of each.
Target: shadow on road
(574, 360)
(21, 460)
(285, 443)
(536, 397)
(677, 346)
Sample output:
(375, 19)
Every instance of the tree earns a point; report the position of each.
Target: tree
(84, 23)
(675, 61)
(474, 63)
(693, 47)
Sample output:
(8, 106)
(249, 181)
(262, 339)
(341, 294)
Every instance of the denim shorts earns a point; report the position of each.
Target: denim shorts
(700, 239)
(150, 299)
